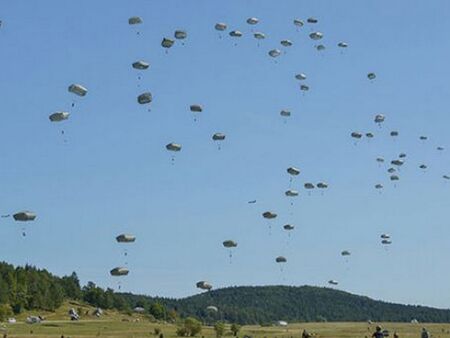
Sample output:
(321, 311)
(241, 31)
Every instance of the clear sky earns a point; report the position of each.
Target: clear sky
(114, 174)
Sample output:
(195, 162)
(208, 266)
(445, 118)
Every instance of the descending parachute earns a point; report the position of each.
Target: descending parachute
(173, 147)
(252, 21)
(140, 65)
(196, 108)
(312, 20)
(135, 20)
(379, 118)
(391, 170)
(309, 186)
(356, 135)
(286, 43)
(300, 76)
(229, 244)
(167, 43)
(333, 282)
(218, 137)
(77, 89)
(402, 155)
(291, 193)
(423, 166)
(220, 26)
(285, 113)
(423, 138)
(145, 98)
(281, 259)
(378, 186)
(180, 34)
(126, 238)
(397, 162)
(371, 76)
(259, 36)
(369, 135)
(204, 285)
(316, 36)
(386, 242)
(236, 34)
(24, 216)
(59, 116)
(322, 185)
(288, 227)
(385, 236)
(380, 160)
(269, 215)
(212, 308)
(394, 133)
(304, 88)
(446, 177)
(320, 48)
(293, 171)
(345, 253)
(394, 177)
(440, 148)
(119, 271)
(342, 45)
(274, 53)
(298, 23)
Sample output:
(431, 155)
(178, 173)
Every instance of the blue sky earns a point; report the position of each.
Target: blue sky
(114, 174)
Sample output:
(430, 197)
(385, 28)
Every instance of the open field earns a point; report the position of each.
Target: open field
(130, 328)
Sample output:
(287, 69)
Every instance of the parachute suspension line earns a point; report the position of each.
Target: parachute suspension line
(230, 255)
(172, 159)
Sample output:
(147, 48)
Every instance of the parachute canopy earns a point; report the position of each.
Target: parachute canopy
(59, 116)
(135, 20)
(218, 137)
(322, 185)
(269, 215)
(281, 259)
(288, 227)
(308, 185)
(24, 216)
(252, 21)
(180, 34)
(345, 253)
(342, 45)
(286, 43)
(220, 26)
(167, 43)
(229, 244)
(298, 22)
(291, 193)
(259, 35)
(379, 118)
(125, 238)
(235, 34)
(77, 89)
(274, 53)
(356, 134)
(371, 76)
(300, 76)
(333, 282)
(312, 20)
(204, 285)
(285, 113)
(196, 108)
(212, 308)
(173, 147)
(316, 36)
(394, 133)
(119, 271)
(293, 171)
(145, 98)
(141, 65)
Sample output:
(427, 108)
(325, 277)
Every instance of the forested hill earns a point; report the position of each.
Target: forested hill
(266, 304)
(29, 288)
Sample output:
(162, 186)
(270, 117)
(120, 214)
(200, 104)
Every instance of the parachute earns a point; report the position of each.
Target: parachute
(281, 259)
(259, 36)
(371, 76)
(385, 236)
(59, 116)
(167, 43)
(320, 48)
(300, 76)
(126, 238)
(423, 138)
(145, 98)
(24, 216)
(386, 242)
(204, 285)
(379, 118)
(298, 23)
(77, 89)
(119, 271)
(288, 227)
(252, 21)
(291, 193)
(312, 20)
(397, 162)
(220, 26)
(229, 244)
(394, 133)
(378, 186)
(316, 36)
(402, 155)
(356, 135)
(180, 34)
(304, 88)
(286, 43)
(345, 253)
(369, 135)
(236, 34)
(391, 170)
(285, 113)
(173, 147)
(275, 53)
(269, 215)
(333, 282)
(446, 177)
(212, 308)
(423, 166)
(440, 148)
(218, 137)
(141, 65)
(293, 171)
(308, 186)
(380, 160)
(394, 178)
(196, 108)
(135, 20)
(322, 185)
(342, 45)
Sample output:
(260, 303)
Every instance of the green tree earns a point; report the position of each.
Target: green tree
(157, 310)
(235, 328)
(219, 327)
(5, 311)
(190, 328)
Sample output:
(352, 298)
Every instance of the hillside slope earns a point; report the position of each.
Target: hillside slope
(265, 304)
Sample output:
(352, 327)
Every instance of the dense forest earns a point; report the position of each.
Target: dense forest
(29, 288)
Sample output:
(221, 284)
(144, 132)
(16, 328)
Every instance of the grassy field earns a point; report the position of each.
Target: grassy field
(114, 324)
